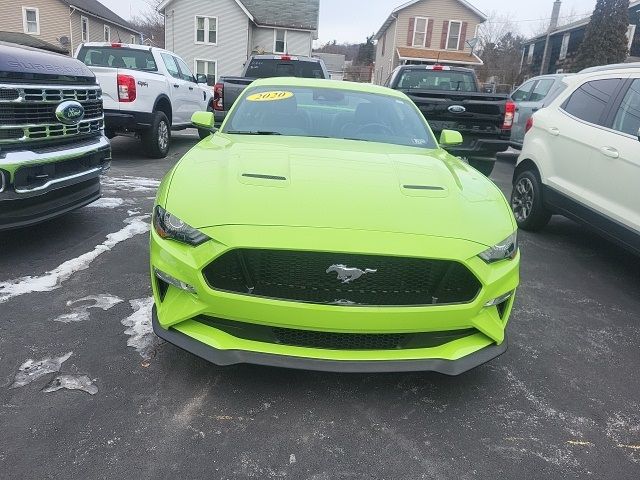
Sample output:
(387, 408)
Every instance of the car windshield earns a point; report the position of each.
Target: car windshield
(447, 80)
(329, 113)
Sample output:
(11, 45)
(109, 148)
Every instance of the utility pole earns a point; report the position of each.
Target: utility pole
(555, 15)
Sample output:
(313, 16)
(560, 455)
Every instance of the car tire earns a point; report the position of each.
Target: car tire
(527, 202)
(158, 138)
(485, 167)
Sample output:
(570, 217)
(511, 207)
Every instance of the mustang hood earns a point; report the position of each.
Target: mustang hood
(338, 184)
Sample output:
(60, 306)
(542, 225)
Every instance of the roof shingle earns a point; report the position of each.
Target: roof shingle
(301, 14)
(96, 8)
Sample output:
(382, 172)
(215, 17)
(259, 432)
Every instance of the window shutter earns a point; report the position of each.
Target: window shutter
(463, 35)
(429, 32)
(445, 32)
(412, 27)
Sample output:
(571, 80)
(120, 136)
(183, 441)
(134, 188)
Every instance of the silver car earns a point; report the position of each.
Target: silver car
(530, 97)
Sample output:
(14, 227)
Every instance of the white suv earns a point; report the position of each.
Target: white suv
(581, 156)
(147, 91)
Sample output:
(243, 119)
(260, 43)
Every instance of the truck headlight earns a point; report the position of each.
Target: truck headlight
(170, 227)
(506, 249)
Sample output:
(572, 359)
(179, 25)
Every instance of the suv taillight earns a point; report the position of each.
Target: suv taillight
(509, 113)
(126, 88)
(218, 97)
(529, 125)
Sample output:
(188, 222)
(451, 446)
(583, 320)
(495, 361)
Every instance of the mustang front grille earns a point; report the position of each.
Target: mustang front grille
(334, 340)
(342, 279)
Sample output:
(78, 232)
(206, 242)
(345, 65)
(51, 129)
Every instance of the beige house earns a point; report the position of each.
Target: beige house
(64, 24)
(427, 31)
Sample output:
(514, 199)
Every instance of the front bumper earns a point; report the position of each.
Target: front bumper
(61, 192)
(179, 312)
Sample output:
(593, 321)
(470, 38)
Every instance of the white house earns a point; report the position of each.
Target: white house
(215, 37)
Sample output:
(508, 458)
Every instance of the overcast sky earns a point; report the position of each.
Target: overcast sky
(353, 20)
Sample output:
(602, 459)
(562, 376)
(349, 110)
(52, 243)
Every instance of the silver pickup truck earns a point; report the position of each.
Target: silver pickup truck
(228, 89)
(52, 146)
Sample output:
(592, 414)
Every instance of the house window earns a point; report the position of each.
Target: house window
(84, 28)
(420, 32)
(107, 33)
(280, 41)
(530, 54)
(132, 40)
(207, 30)
(31, 20)
(208, 68)
(565, 46)
(453, 38)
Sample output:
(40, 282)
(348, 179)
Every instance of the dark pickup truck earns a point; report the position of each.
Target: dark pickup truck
(228, 89)
(52, 144)
(450, 98)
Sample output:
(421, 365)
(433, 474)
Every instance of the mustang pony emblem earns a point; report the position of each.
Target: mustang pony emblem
(348, 274)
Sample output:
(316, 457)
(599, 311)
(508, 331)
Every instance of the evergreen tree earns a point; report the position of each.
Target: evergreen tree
(605, 39)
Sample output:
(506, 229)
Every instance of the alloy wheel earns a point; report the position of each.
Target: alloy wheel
(522, 199)
(163, 136)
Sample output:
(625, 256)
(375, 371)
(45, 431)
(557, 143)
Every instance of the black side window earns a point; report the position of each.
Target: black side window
(590, 101)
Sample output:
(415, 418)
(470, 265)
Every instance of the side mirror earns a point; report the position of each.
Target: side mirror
(201, 78)
(450, 138)
(203, 120)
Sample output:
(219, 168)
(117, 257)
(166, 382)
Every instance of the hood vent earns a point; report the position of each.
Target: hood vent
(264, 177)
(422, 187)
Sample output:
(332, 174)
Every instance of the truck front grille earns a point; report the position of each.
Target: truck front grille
(314, 277)
(27, 113)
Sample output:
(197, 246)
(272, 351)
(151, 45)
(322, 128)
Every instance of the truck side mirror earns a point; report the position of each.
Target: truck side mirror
(201, 78)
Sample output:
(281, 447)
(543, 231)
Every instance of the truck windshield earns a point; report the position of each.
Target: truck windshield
(328, 113)
(118, 57)
(276, 67)
(447, 80)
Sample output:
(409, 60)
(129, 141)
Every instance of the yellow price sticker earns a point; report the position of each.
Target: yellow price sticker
(269, 96)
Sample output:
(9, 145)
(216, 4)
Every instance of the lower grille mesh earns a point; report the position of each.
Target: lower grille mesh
(304, 277)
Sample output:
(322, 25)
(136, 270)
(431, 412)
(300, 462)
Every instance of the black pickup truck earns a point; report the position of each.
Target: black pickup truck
(228, 89)
(450, 98)
(52, 145)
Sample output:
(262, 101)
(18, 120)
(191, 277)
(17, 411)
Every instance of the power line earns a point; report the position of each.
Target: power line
(578, 15)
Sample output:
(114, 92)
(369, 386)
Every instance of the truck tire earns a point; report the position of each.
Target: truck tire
(527, 202)
(157, 139)
(485, 167)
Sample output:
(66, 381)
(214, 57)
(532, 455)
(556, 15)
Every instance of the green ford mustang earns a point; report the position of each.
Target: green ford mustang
(323, 227)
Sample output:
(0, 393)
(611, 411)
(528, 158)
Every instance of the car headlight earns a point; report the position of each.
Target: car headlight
(170, 227)
(508, 248)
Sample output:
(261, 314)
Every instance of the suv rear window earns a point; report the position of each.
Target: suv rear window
(275, 67)
(116, 57)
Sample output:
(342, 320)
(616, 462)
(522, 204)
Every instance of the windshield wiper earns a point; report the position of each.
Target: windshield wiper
(251, 132)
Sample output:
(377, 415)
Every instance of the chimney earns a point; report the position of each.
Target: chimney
(555, 15)
(553, 24)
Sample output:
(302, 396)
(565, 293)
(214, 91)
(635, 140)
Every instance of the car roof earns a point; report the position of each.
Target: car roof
(133, 46)
(279, 57)
(281, 82)
(633, 66)
(423, 67)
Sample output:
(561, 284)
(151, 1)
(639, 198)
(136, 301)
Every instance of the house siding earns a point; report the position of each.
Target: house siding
(385, 63)
(231, 50)
(439, 11)
(96, 30)
(298, 42)
(53, 16)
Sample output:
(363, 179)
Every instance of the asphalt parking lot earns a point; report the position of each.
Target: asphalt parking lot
(562, 403)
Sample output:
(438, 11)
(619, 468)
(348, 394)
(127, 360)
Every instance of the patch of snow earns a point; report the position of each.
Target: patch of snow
(71, 382)
(32, 370)
(107, 202)
(80, 313)
(131, 184)
(53, 279)
(139, 327)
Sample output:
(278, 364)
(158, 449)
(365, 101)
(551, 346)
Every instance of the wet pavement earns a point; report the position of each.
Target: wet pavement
(86, 391)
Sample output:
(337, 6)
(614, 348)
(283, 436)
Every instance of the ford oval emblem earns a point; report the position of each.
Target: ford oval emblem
(70, 112)
(457, 109)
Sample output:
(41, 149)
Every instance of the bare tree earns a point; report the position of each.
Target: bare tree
(151, 23)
